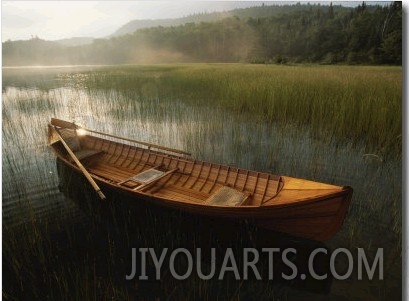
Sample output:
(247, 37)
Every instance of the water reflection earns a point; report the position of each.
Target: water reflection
(148, 225)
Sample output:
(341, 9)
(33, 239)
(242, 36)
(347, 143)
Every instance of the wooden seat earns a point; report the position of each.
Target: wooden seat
(146, 178)
(226, 196)
(142, 177)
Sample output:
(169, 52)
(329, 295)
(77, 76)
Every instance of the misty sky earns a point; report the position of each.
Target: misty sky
(53, 20)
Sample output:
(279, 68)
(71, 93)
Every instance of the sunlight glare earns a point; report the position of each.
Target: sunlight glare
(81, 132)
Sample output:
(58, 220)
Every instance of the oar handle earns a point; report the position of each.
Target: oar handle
(101, 195)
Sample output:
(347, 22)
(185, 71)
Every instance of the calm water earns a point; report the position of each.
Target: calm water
(30, 97)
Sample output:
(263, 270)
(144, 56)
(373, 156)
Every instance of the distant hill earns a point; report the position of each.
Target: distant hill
(135, 25)
(261, 11)
(78, 41)
(329, 34)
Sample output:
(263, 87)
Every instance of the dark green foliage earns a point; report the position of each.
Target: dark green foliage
(266, 34)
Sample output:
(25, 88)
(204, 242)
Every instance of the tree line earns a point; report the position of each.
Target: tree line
(329, 34)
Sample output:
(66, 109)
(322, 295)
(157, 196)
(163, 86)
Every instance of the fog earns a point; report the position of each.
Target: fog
(49, 20)
(22, 20)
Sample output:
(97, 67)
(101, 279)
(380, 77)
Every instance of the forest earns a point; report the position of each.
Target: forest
(301, 33)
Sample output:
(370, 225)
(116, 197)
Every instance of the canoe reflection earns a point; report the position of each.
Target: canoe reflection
(140, 228)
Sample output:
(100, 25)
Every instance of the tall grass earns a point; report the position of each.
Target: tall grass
(359, 104)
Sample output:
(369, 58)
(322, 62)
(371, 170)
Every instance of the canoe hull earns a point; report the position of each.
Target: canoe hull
(284, 204)
(319, 220)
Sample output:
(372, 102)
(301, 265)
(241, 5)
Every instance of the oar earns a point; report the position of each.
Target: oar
(139, 142)
(81, 167)
(66, 124)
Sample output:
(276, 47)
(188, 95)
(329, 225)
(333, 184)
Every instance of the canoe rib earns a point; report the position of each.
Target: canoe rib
(295, 206)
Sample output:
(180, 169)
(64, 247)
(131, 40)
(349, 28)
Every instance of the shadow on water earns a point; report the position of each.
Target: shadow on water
(91, 258)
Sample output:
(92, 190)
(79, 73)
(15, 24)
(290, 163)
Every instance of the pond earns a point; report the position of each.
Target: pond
(141, 111)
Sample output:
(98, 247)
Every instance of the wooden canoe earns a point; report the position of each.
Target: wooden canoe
(169, 178)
